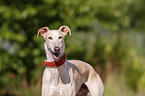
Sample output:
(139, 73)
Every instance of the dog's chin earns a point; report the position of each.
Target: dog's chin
(56, 55)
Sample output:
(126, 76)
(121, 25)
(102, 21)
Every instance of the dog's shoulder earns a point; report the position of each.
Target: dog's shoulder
(80, 65)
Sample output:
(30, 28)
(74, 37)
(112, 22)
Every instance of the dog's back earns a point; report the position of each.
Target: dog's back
(90, 78)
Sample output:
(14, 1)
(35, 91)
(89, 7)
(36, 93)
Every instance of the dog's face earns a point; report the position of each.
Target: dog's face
(54, 40)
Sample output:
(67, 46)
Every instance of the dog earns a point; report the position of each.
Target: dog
(64, 77)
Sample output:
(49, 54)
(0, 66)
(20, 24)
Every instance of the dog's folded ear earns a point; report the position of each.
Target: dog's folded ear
(65, 30)
(42, 31)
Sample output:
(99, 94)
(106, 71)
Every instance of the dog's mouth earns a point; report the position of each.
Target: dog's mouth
(56, 54)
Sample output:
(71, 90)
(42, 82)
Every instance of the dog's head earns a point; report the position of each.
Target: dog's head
(54, 40)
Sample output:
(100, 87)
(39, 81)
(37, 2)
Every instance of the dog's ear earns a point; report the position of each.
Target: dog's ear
(42, 31)
(65, 30)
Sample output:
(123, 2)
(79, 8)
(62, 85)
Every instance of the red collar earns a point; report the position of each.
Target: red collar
(56, 63)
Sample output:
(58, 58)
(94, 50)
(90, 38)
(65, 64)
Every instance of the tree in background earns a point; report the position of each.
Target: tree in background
(22, 54)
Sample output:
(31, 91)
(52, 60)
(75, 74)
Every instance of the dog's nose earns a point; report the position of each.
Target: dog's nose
(56, 49)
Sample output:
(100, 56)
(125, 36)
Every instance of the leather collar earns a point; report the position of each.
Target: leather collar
(56, 63)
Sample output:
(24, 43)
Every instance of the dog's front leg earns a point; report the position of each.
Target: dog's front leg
(46, 82)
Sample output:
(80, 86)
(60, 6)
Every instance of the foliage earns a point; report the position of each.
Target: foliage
(108, 34)
(115, 86)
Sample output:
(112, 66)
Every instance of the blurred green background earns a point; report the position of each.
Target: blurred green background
(108, 34)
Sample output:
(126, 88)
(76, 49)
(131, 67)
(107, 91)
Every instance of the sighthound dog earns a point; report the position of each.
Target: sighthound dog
(64, 77)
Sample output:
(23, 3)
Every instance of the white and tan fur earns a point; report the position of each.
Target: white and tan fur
(67, 79)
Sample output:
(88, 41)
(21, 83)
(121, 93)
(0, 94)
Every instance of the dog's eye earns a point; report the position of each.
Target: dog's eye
(50, 38)
(60, 37)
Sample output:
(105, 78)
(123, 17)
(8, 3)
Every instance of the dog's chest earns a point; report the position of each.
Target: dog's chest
(58, 83)
(61, 90)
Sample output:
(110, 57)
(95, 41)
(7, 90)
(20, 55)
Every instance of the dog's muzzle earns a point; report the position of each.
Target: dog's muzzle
(56, 53)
